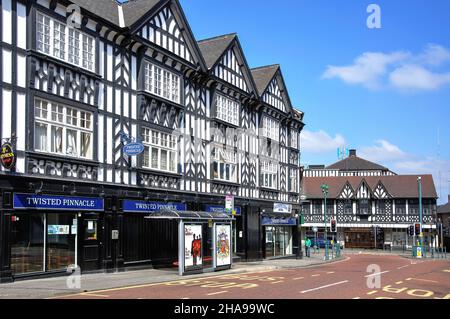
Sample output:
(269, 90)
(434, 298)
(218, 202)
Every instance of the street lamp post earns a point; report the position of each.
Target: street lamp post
(325, 188)
(419, 181)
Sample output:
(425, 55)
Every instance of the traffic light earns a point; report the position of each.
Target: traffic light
(417, 229)
(411, 230)
(333, 225)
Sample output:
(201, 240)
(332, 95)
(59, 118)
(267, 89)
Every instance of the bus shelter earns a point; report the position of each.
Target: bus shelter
(204, 240)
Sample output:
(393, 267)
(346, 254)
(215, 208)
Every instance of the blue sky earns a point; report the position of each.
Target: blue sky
(385, 92)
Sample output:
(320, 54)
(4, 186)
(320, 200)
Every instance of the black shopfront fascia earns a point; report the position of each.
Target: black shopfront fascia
(92, 251)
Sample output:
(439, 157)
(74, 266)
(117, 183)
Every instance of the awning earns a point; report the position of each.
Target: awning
(189, 215)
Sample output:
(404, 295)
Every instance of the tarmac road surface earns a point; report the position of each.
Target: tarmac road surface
(359, 276)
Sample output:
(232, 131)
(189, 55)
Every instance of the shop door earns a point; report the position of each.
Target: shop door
(91, 236)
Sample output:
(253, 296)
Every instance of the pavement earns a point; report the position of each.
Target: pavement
(62, 285)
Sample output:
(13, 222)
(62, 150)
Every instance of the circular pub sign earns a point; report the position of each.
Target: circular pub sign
(7, 156)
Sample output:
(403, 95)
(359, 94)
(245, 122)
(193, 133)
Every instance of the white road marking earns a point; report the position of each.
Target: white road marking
(377, 274)
(403, 267)
(322, 287)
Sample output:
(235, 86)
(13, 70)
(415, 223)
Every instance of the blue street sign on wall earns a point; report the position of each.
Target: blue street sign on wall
(133, 206)
(221, 209)
(51, 202)
(274, 221)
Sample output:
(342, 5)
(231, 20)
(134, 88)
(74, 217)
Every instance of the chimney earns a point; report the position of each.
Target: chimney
(352, 153)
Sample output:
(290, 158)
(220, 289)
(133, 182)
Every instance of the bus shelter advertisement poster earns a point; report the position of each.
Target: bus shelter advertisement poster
(223, 245)
(192, 246)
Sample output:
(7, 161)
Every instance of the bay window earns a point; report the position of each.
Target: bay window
(161, 82)
(160, 150)
(63, 130)
(224, 165)
(271, 128)
(63, 42)
(227, 109)
(268, 172)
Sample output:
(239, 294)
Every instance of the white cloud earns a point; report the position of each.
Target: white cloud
(320, 142)
(415, 77)
(434, 55)
(366, 69)
(399, 70)
(382, 151)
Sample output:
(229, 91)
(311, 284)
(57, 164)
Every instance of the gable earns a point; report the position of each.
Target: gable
(380, 192)
(364, 191)
(231, 70)
(164, 31)
(347, 192)
(273, 95)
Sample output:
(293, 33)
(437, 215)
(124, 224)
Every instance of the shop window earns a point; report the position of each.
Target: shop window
(27, 243)
(60, 240)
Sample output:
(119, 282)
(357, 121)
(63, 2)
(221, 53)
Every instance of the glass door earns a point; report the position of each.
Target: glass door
(270, 241)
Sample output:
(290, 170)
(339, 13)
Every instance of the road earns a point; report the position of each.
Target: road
(359, 276)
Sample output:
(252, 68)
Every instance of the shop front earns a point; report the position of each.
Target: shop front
(45, 232)
(278, 235)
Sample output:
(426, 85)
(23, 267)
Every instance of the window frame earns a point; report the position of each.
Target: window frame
(162, 81)
(153, 140)
(223, 158)
(227, 109)
(270, 128)
(267, 171)
(51, 124)
(67, 43)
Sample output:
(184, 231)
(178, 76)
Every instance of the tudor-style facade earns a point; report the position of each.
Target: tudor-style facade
(363, 195)
(74, 91)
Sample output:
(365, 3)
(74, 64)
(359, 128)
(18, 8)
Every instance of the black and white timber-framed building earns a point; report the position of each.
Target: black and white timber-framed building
(79, 79)
(364, 195)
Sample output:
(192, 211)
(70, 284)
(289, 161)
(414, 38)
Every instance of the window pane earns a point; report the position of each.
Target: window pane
(71, 142)
(59, 41)
(154, 158)
(88, 55)
(43, 34)
(172, 162)
(74, 46)
(158, 80)
(148, 77)
(146, 156)
(163, 159)
(71, 117)
(56, 139)
(86, 145)
(57, 113)
(216, 170)
(40, 137)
